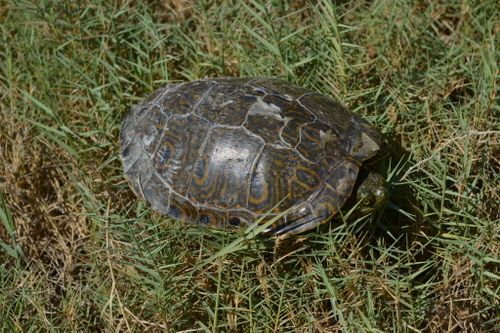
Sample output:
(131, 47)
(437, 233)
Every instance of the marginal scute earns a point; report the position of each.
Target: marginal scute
(278, 220)
(364, 140)
(182, 209)
(240, 218)
(138, 111)
(157, 194)
(156, 94)
(302, 214)
(212, 217)
(297, 220)
(151, 128)
(138, 169)
(324, 206)
(327, 203)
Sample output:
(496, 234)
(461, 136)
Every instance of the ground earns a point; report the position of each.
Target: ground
(79, 252)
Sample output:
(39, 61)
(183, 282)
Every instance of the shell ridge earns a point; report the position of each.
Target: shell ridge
(127, 165)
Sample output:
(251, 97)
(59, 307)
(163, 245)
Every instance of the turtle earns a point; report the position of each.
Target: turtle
(227, 152)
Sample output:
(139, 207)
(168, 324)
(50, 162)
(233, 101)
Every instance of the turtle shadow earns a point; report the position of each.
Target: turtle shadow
(402, 222)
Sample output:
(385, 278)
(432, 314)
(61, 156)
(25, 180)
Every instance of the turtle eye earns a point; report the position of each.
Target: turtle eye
(368, 200)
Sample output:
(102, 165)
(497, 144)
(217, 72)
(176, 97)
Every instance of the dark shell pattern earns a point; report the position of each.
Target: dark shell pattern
(226, 152)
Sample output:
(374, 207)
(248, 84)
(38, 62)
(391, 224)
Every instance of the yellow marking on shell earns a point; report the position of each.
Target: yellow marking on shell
(278, 163)
(329, 206)
(311, 137)
(296, 179)
(263, 197)
(278, 192)
(212, 218)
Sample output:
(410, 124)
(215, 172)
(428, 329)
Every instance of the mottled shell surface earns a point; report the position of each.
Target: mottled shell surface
(226, 152)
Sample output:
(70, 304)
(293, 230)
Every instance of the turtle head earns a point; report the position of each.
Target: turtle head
(372, 193)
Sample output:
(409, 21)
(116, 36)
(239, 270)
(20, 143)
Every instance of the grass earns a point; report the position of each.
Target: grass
(79, 252)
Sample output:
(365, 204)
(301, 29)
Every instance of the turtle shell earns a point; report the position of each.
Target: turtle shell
(228, 151)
